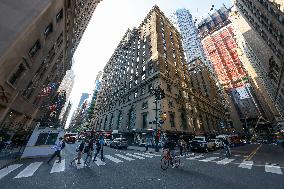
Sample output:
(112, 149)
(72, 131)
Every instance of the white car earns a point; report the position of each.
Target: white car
(218, 143)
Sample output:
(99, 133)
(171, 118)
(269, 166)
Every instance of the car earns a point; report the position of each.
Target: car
(218, 142)
(201, 143)
(70, 139)
(119, 143)
(107, 142)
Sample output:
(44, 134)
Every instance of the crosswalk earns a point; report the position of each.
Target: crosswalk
(29, 170)
(58, 167)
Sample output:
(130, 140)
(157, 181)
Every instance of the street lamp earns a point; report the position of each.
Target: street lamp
(159, 94)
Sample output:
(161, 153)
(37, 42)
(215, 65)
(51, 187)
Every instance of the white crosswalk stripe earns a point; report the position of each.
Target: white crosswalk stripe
(9, 169)
(273, 169)
(99, 162)
(144, 155)
(157, 155)
(246, 164)
(208, 159)
(195, 157)
(124, 157)
(81, 165)
(29, 170)
(113, 159)
(132, 155)
(58, 167)
(225, 161)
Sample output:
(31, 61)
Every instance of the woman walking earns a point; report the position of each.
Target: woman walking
(80, 152)
(89, 150)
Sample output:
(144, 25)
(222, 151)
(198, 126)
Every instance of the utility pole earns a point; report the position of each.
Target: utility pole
(159, 94)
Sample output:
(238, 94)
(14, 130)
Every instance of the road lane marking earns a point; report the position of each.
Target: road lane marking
(273, 169)
(208, 159)
(58, 167)
(81, 165)
(246, 164)
(147, 153)
(99, 162)
(144, 155)
(5, 171)
(29, 170)
(225, 161)
(253, 153)
(113, 159)
(124, 157)
(195, 157)
(138, 157)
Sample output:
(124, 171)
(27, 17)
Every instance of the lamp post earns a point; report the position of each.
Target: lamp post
(159, 94)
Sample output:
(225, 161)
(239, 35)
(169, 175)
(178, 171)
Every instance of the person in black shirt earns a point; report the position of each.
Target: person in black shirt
(79, 149)
(98, 148)
(89, 151)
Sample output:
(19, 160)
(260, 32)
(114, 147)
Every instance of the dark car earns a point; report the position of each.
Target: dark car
(200, 143)
(70, 139)
(119, 143)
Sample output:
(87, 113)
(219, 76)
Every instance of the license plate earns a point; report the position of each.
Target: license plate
(195, 148)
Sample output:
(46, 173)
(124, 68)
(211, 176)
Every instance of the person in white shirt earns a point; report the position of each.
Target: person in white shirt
(58, 147)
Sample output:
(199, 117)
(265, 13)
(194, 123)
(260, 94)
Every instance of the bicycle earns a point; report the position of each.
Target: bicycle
(167, 159)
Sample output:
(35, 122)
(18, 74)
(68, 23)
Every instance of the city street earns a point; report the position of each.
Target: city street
(137, 169)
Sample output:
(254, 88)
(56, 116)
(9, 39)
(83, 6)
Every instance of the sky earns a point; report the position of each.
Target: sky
(109, 23)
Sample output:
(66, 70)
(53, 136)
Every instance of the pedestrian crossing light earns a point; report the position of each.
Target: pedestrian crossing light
(164, 116)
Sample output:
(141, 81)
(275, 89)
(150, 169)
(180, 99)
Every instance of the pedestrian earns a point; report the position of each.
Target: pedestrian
(89, 151)
(98, 148)
(79, 151)
(2, 144)
(102, 142)
(226, 145)
(58, 147)
(148, 142)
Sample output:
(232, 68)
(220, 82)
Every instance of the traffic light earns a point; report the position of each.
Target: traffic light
(164, 116)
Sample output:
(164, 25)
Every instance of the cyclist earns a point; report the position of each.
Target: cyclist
(169, 147)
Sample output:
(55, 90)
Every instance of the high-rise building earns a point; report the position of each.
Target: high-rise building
(220, 44)
(84, 96)
(183, 21)
(149, 57)
(264, 32)
(37, 44)
(67, 86)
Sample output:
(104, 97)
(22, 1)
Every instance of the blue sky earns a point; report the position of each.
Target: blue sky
(107, 26)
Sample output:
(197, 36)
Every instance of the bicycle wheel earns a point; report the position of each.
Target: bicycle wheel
(177, 161)
(164, 163)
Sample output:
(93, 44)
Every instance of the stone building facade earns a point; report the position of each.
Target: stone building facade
(265, 35)
(147, 57)
(38, 40)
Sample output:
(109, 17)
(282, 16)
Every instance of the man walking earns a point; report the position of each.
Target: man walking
(79, 151)
(58, 147)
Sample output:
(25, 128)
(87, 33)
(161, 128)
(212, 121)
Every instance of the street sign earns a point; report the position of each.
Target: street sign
(161, 122)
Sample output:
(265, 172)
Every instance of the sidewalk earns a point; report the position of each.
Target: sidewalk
(142, 149)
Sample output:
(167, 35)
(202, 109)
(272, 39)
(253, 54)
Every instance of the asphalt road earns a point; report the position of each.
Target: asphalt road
(211, 170)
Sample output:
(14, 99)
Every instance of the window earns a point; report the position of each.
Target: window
(171, 104)
(48, 30)
(172, 119)
(34, 48)
(59, 15)
(144, 124)
(136, 93)
(145, 105)
(17, 75)
(150, 87)
(143, 90)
